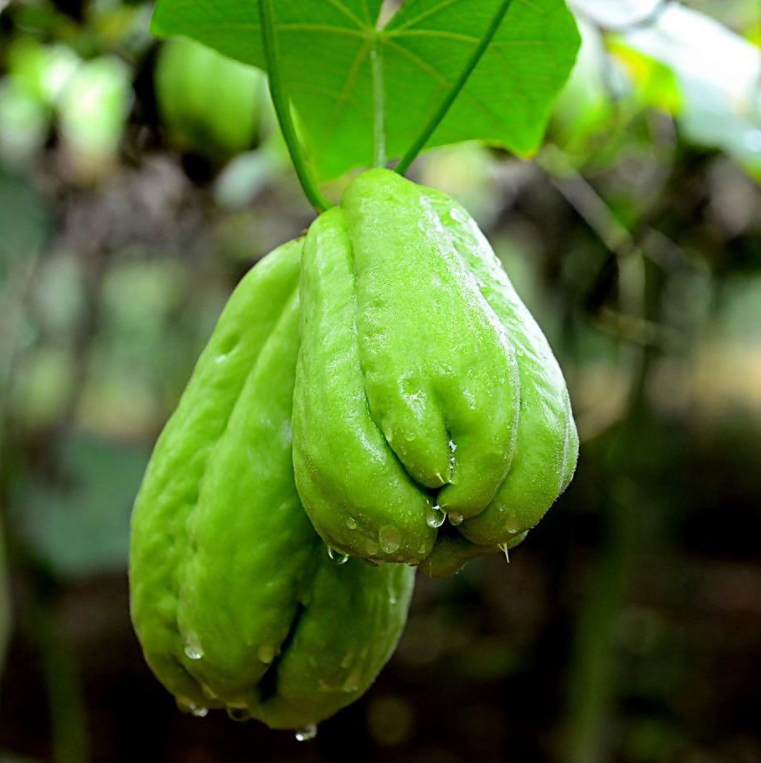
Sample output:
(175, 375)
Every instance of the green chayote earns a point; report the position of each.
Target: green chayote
(234, 598)
(189, 77)
(382, 374)
(423, 387)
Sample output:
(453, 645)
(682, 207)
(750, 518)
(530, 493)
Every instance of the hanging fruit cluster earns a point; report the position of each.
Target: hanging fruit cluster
(377, 377)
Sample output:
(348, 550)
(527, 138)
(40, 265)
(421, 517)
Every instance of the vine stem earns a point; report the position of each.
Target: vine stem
(380, 157)
(283, 109)
(441, 112)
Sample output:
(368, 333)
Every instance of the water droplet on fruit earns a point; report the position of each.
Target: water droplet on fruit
(186, 705)
(351, 523)
(512, 526)
(390, 539)
(455, 519)
(452, 449)
(193, 649)
(435, 517)
(306, 733)
(351, 683)
(337, 557)
(266, 653)
(371, 548)
(239, 714)
(506, 551)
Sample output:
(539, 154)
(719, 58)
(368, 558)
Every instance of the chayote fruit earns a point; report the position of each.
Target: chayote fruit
(209, 104)
(423, 387)
(234, 598)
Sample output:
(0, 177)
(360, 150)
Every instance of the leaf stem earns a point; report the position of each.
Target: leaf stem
(441, 112)
(283, 109)
(380, 157)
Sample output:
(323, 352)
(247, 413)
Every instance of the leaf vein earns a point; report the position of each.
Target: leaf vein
(425, 14)
(346, 12)
(351, 78)
(490, 114)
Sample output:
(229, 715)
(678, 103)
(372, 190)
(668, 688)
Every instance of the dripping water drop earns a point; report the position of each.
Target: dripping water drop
(193, 649)
(337, 557)
(435, 517)
(239, 714)
(186, 705)
(306, 733)
(452, 449)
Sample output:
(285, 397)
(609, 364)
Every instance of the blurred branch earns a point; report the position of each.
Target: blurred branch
(591, 687)
(632, 284)
(590, 206)
(637, 331)
(37, 621)
(630, 248)
(65, 697)
(5, 604)
(14, 300)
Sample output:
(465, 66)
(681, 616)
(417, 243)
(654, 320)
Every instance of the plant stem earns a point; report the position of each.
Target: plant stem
(5, 603)
(441, 112)
(283, 109)
(592, 688)
(379, 107)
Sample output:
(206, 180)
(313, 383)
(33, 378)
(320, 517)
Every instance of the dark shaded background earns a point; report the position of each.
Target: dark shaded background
(626, 628)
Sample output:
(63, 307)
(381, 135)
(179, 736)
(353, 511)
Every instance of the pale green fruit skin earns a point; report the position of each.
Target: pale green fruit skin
(348, 630)
(547, 444)
(232, 592)
(209, 103)
(452, 552)
(427, 380)
(350, 482)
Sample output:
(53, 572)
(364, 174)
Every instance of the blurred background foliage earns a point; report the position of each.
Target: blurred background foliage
(140, 180)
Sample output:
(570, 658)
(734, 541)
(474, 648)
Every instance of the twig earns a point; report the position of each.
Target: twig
(283, 109)
(441, 112)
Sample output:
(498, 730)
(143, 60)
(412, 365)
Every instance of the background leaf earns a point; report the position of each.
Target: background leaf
(82, 527)
(325, 49)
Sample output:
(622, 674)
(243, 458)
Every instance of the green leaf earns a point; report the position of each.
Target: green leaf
(326, 47)
(81, 528)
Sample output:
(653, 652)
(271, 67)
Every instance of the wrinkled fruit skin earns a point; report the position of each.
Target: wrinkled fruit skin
(234, 599)
(423, 385)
